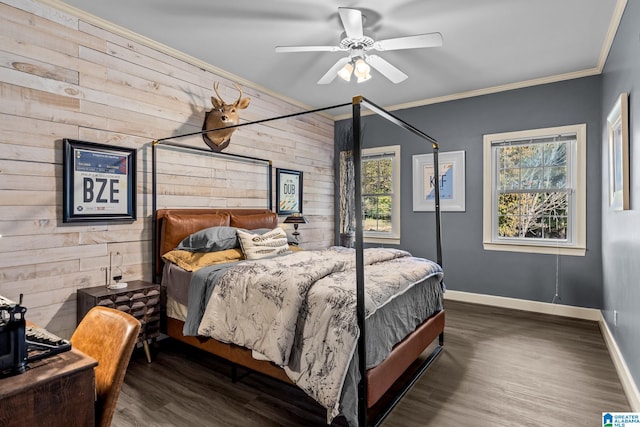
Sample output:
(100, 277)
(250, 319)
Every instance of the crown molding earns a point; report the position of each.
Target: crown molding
(485, 91)
(611, 33)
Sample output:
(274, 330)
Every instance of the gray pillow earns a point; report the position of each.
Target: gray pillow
(211, 240)
(215, 239)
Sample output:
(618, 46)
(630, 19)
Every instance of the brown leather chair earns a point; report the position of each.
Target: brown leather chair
(109, 336)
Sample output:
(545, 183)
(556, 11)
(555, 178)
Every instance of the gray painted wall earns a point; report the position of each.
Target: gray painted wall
(460, 125)
(621, 230)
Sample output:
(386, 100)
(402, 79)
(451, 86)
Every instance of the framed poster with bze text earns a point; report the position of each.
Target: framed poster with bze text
(99, 182)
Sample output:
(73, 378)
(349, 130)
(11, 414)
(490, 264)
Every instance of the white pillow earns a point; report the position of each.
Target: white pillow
(257, 246)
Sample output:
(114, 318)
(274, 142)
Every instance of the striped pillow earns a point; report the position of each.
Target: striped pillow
(270, 244)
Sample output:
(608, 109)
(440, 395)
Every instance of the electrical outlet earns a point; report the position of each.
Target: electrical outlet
(615, 317)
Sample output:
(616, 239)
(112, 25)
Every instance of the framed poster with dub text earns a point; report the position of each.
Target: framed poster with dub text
(99, 182)
(288, 191)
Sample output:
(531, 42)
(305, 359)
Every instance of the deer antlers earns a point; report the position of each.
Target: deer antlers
(235, 85)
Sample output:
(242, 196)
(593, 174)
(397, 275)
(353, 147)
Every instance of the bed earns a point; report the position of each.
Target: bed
(175, 225)
(370, 373)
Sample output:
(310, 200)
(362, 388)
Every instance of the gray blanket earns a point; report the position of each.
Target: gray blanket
(202, 284)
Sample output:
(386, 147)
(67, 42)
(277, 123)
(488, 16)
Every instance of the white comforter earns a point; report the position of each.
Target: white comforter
(298, 310)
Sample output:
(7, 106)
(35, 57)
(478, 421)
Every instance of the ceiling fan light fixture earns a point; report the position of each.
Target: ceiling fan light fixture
(362, 70)
(345, 72)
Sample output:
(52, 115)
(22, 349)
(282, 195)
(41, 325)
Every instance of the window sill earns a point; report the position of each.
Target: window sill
(382, 240)
(536, 249)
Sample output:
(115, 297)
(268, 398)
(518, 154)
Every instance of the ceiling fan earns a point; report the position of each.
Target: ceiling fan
(358, 43)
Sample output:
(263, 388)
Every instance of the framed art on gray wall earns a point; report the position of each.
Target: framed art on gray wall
(618, 143)
(99, 182)
(451, 175)
(288, 191)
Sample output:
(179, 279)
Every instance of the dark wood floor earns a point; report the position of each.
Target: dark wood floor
(499, 367)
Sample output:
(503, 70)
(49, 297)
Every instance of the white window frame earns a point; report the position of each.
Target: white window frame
(392, 238)
(575, 243)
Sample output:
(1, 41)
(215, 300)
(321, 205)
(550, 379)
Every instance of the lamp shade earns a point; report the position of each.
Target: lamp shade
(295, 219)
(362, 69)
(345, 72)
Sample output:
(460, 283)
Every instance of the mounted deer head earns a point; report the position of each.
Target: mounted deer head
(220, 116)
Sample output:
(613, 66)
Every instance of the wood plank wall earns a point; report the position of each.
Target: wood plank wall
(63, 76)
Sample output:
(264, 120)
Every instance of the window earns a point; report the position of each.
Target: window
(380, 170)
(535, 192)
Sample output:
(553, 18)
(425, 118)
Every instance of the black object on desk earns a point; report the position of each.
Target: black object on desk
(42, 343)
(21, 344)
(13, 349)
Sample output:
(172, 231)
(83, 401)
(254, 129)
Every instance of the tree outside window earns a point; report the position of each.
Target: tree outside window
(377, 194)
(534, 197)
(380, 173)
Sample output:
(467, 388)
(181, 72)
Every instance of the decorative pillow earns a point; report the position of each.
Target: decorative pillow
(175, 227)
(192, 261)
(210, 240)
(269, 244)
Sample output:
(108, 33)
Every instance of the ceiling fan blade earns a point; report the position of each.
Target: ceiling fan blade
(410, 42)
(285, 49)
(385, 68)
(333, 71)
(351, 21)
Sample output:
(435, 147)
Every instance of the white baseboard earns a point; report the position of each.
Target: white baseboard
(526, 305)
(628, 384)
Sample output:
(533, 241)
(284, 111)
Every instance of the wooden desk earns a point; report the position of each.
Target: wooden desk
(55, 391)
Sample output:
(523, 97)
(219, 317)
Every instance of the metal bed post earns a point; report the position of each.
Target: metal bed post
(360, 303)
(436, 187)
(154, 221)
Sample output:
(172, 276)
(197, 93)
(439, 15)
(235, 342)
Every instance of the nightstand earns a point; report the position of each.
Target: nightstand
(140, 299)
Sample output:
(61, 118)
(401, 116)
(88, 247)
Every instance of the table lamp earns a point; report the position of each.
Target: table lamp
(295, 219)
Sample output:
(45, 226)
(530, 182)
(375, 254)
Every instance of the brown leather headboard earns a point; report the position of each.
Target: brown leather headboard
(174, 224)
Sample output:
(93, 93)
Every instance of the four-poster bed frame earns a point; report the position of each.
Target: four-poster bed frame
(426, 332)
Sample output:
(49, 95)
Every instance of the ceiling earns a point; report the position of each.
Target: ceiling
(488, 45)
